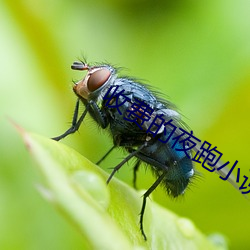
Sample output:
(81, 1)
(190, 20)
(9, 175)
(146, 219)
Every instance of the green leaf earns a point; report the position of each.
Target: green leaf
(107, 215)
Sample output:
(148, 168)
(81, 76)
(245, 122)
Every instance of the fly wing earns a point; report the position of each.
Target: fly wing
(159, 117)
(168, 114)
(223, 172)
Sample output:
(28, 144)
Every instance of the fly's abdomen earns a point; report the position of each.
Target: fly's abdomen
(164, 154)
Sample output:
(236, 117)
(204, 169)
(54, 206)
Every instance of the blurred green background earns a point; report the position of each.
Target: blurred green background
(195, 52)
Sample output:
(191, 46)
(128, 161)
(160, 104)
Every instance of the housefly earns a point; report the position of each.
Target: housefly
(128, 115)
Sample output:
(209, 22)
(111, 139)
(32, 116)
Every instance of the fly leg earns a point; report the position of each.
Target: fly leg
(75, 124)
(105, 155)
(124, 161)
(91, 107)
(97, 114)
(136, 167)
(145, 196)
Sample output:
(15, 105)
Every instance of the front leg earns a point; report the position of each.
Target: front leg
(75, 124)
(99, 116)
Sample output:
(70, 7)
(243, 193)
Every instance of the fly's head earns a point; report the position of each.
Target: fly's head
(95, 80)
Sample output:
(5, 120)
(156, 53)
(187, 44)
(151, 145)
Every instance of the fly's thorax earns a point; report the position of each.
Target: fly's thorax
(97, 79)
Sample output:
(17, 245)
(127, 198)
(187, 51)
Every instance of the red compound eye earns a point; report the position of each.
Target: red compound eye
(97, 79)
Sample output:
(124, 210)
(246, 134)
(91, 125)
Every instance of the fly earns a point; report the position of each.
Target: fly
(134, 115)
